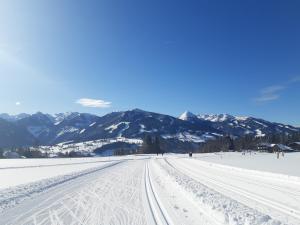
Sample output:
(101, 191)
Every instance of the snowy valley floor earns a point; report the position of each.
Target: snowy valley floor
(224, 188)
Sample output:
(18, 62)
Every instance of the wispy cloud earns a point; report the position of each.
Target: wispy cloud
(94, 103)
(18, 103)
(294, 79)
(267, 98)
(270, 93)
(273, 92)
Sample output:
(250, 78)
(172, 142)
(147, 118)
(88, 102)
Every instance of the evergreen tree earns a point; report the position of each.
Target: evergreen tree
(151, 145)
(157, 145)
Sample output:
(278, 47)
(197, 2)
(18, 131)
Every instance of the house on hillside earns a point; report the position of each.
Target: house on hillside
(281, 148)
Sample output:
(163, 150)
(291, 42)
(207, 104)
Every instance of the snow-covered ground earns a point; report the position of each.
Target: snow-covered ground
(20, 163)
(289, 164)
(208, 189)
(15, 172)
(270, 194)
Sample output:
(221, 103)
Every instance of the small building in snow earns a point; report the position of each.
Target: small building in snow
(264, 147)
(267, 147)
(281, 148)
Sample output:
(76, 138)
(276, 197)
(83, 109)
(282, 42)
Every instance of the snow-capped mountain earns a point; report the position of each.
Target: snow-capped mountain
(8, 117)
(187, 116)
(242, 125)
(216, 117)
(136, 123)
(45, 129)
(71, 126)
(39, 125)
(13, 135)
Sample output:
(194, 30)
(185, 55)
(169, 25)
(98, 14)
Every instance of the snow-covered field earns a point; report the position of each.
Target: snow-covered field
(287, 164)
(223, 188)
(21, 171)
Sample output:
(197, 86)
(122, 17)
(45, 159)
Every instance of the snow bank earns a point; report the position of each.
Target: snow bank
(225, 210)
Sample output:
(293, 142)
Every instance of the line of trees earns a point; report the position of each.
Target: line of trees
(151, 145)
(229, 143)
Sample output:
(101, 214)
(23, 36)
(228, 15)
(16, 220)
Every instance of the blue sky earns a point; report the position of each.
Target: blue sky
(237, 57)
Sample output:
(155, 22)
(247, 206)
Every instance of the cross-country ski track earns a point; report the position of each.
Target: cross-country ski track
(155, 190)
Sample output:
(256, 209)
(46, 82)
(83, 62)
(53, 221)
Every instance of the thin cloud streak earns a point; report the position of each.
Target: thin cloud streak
(93, 103)
(270, 93)
(295, 79)
(266, 98)
(272, 89)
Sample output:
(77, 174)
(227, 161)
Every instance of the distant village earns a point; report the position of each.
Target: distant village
(153, 145)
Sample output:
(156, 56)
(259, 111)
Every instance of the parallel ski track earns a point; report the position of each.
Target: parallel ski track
(242, 192)
(208, 217)
(56, 186)
(67, 164)
(158, 212)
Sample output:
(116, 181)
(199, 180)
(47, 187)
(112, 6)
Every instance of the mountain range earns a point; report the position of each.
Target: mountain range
(45, 129)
